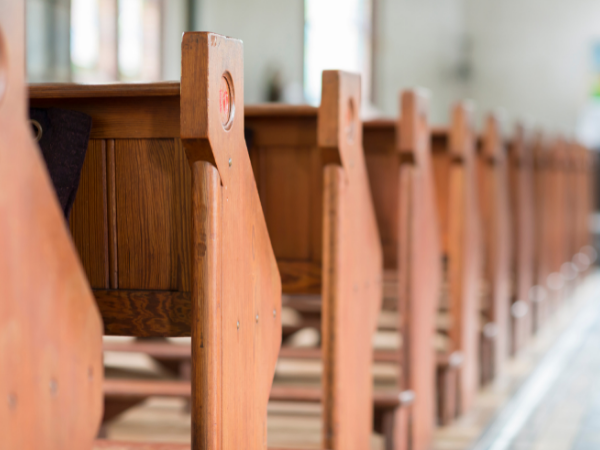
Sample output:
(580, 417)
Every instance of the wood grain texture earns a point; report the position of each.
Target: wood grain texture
(419, 265)
(246, 299)
(50, 330)
(153, 214)
(147, 313)
(120, 117)
(112, 215)
(299, 277)
(352, 268)
(495, 217)
(89, 219)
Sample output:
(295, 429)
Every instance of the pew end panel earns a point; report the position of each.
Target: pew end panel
(464, 250)
(50, 329)
(170, 228)
(352, 268)
(419, 265)
(522, 230)
(236, 285)
(495, 215)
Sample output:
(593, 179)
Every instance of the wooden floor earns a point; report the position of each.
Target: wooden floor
(547, 399)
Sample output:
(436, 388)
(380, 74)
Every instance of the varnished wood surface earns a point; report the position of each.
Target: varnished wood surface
(102, 444)
(352, 267)
(280, 110)
(495, 216)
(465, 251)
(520, 167)
(166, 350)
(236, 287)
(145, 313)
(50, 329)
(142, 389)
(110, 90)
(419, 263)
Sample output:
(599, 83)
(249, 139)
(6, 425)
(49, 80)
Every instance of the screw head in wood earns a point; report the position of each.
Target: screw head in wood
(274, 313)
(12, 401)
(53, 386)
(230, 162)
(257, 318)
(238, 324)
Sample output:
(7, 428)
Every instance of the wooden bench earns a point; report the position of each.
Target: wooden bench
(541, 261)
(284, 184)
(520, 174)
(558, 204)
(400, 173)
(457, 195)
(170, 230)
(50, 329)
(494, 207)
(311, 177)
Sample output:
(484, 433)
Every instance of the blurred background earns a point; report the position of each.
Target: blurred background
(537, 59)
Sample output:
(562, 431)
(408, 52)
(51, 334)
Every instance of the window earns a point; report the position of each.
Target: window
(337, 35)
(116, 40)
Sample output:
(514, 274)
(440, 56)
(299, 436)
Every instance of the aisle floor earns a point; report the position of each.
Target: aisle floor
(549, 399)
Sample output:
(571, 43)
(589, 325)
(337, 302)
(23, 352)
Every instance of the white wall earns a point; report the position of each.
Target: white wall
(175, 22)
(272, 31)
(533, 57)
(418, 43)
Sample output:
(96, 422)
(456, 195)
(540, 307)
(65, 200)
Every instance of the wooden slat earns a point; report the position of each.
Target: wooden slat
(109, 90)
(234, 361)
(112, 215)
(119, 117)
(50, 330)
(89, 216)
(105, 444)
(152, 214)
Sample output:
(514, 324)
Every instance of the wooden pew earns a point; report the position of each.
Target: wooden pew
(170, 230)
(312, 181)
(50, 345)
(540, 292)
(582, 206)
(457, 196)
(269, 139)
(399, 164)
(558, 193)
(520, 174)
(495, 221)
